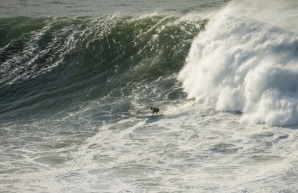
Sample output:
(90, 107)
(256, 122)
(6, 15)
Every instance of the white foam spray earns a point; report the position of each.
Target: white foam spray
(242, 64)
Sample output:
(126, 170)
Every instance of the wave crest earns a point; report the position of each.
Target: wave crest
(240, 64)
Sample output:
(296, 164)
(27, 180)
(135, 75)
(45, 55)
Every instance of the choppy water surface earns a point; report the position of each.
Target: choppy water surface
(77, 83)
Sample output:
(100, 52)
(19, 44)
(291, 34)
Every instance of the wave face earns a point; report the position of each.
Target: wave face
(52, 64)
(241, 64)
(56, 64)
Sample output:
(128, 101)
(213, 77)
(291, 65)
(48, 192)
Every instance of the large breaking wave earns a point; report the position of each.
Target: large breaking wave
(242, 64)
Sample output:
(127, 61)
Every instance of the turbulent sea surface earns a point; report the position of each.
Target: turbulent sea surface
(77, 80)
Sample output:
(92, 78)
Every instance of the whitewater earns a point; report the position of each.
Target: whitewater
(78, 79)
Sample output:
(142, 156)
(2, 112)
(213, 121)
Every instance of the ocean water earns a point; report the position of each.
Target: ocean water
(78, 78)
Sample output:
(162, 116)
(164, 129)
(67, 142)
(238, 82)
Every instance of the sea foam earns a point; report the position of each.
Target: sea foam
(242, 64)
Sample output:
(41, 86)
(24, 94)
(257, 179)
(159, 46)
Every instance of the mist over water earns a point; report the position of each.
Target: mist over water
(282, 14)
(78, 78)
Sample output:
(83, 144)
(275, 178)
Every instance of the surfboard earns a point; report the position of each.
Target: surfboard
(154, 118)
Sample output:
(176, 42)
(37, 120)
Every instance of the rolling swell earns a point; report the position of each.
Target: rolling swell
(52, 64)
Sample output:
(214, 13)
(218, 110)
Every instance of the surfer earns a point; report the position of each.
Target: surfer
(154, 110)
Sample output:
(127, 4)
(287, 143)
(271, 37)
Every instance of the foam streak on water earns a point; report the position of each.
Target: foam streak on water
(184, 150)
